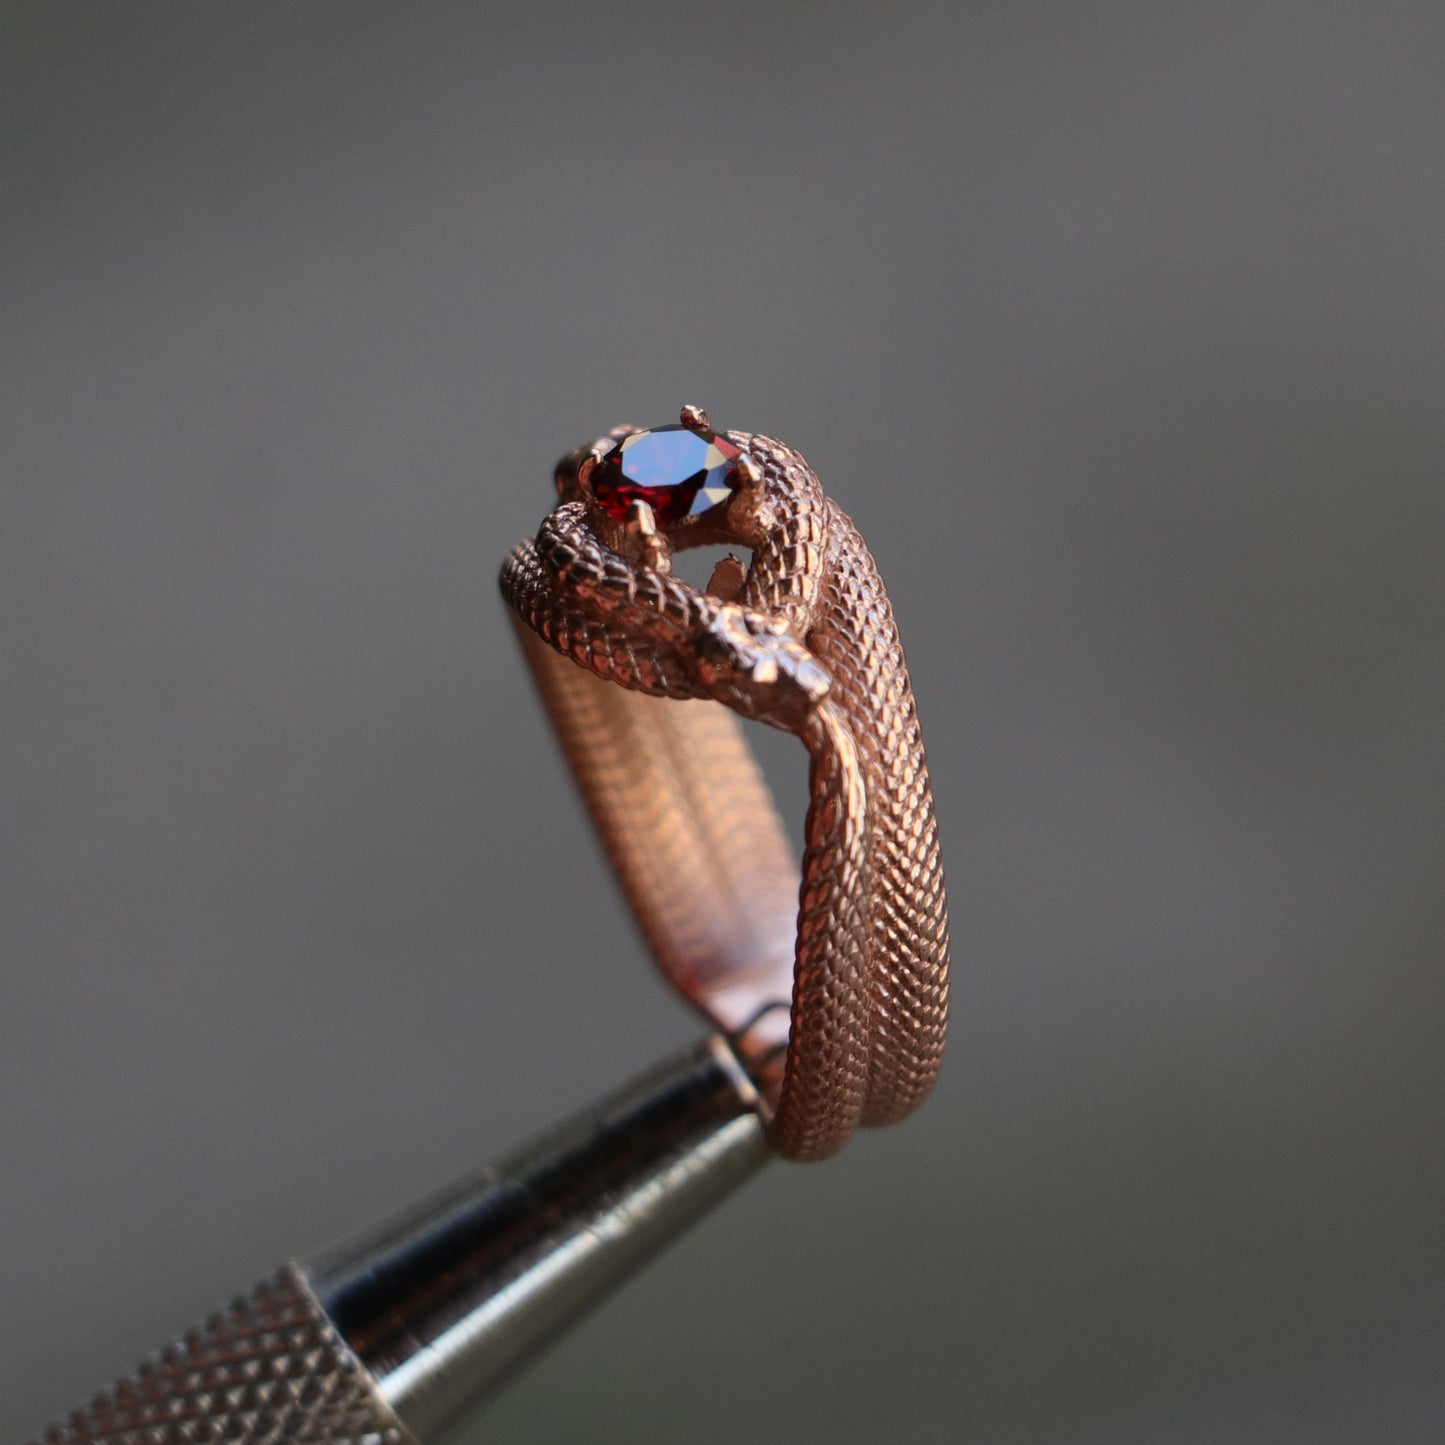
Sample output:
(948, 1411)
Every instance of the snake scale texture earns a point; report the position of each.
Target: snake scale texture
(836, 984)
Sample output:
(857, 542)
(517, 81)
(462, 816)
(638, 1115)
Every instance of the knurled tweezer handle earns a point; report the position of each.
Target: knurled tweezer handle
(392, 1338)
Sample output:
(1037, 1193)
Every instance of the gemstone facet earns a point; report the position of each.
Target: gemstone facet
(677, 471)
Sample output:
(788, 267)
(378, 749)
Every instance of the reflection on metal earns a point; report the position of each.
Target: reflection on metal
(442, 1302)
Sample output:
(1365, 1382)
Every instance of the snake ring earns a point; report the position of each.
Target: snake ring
(833, 986)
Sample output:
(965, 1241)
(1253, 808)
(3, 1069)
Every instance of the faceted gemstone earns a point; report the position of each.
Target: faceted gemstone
(678, 472)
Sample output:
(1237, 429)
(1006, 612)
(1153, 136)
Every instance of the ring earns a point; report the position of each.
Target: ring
(834, 985)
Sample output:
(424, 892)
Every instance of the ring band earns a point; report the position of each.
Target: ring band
(835, 987)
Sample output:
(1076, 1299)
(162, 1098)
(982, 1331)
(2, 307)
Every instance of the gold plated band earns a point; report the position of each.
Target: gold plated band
(835, 986)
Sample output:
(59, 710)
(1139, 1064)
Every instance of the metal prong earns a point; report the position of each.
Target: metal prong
(575, 470)
(641, 519)
(695, 418)
(569, 472)
(652, 547)
(747, 471)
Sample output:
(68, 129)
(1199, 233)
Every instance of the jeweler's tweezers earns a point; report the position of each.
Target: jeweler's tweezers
(393, 1338)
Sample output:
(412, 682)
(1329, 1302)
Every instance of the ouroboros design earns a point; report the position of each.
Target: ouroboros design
(836, 991)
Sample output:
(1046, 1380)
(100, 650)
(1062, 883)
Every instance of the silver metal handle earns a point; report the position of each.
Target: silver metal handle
(392, 1338)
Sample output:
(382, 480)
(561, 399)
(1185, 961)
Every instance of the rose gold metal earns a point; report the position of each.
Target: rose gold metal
(652, 548)
(748, 473)
(728, 578)
(695, 418)
(835, 991)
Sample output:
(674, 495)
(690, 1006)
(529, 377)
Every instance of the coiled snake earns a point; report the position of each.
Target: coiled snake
(835, 986)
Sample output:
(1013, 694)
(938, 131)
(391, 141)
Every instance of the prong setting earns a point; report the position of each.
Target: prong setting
(641, 520)
(653, 549)
(694, 418)
(748, 472)
(680, 471)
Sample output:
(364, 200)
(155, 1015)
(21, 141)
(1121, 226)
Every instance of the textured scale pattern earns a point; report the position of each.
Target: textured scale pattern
(268, 1370)
(855, 954)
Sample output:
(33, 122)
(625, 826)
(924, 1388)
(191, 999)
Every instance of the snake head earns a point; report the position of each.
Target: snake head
(754, 664)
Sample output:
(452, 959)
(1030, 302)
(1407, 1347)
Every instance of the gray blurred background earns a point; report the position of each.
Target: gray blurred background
(1120, 330)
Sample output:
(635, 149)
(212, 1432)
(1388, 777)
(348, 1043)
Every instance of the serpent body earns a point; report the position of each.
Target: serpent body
(631, 662)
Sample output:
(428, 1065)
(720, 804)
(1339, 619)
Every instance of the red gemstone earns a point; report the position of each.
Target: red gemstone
(677, 471)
